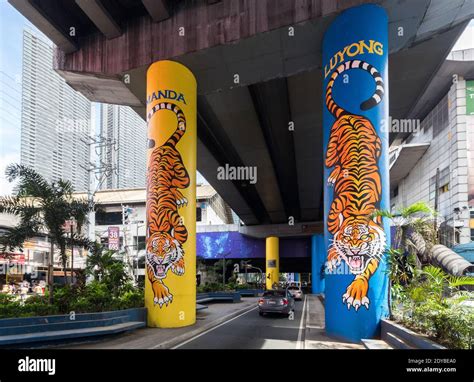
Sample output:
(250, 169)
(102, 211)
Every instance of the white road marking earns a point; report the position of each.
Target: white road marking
(211, 329)
(299, 342)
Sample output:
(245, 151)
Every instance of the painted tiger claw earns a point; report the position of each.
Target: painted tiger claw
(356, 304)
(365, 302)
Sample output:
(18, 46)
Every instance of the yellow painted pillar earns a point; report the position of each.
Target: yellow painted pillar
(170, 283)
(272, 261)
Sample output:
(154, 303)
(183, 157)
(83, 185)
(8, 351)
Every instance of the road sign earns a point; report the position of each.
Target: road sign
(114, 238)
(469, 97)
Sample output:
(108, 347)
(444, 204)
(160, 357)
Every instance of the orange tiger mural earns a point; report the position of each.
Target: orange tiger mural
(166, 232)
(353, 152)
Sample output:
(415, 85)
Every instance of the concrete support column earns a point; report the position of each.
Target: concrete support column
(318, 259)
(272, 261)
(170, 285)
(355, 136)
(296, 277)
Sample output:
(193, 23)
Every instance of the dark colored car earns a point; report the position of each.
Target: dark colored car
(276, 301)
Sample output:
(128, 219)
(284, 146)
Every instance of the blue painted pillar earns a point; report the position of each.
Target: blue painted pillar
(296, 277)
(318, 258)
(355, 116)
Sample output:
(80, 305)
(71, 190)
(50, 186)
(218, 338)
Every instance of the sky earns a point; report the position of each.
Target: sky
(11, 35)
(12, 24)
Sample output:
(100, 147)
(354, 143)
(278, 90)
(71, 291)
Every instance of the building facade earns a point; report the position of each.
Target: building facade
(438, 160)
(55, 119)
(125, 154)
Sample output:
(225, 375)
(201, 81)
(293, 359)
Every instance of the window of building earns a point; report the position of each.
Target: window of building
(443, 184)
(444, 180)
(198, 214)
(395, 192)
(141, 242)
(108, 218)
(472, 234)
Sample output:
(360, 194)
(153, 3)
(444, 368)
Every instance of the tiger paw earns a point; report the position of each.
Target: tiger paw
(181, 201)
(333, 176)
(178, 268)
(356, 294)
(162, 295)
(162, 301)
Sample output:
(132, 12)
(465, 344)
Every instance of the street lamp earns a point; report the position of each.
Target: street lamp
(248, 266)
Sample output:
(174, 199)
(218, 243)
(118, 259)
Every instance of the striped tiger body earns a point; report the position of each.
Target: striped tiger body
(166, 232)
(353, 152)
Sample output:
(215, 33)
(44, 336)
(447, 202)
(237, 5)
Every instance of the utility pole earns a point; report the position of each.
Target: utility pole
(99, 169)
(72, 221)
(436, 201)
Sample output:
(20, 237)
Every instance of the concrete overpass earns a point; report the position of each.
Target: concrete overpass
(105, 47)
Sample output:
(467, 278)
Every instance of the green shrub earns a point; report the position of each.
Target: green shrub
(94, 297)
(211, 287)
(432, 304)
(131, 299)
(243, 286)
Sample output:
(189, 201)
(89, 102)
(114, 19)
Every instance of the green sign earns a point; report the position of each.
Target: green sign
(470, 97)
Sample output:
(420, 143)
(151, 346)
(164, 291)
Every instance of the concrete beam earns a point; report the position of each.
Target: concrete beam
(158, 9)
(282, 230)
(100, 17)
(41, 21)
(101, 88)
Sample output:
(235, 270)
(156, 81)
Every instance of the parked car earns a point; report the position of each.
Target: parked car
(296, 292)
(276, 301)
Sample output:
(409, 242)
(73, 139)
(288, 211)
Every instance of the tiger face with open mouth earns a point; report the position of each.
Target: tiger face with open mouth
(357, 242)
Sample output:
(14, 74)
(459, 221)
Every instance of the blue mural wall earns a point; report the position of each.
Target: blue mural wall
(233, 245)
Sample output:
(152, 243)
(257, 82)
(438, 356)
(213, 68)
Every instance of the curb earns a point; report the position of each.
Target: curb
(306, 322)
(188, 335)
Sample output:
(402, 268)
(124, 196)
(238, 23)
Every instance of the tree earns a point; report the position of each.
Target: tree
(415, 230)
(415, 233)
(106, 269)
(43, 209)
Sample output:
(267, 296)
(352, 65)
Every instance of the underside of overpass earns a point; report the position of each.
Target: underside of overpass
(245, 122)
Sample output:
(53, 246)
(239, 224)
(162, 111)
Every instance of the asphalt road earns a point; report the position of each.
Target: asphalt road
(250, 331)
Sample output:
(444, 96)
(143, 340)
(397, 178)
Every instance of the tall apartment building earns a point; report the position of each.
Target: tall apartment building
(10, 126)
(124, 127)
(55, 119)
(443, 144)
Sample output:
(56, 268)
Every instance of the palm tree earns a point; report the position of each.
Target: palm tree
(415, 233)
(415, 230)
(43, 209)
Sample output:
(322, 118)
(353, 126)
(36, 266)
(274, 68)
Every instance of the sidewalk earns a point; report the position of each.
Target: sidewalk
(156, 338)
(315, 336)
